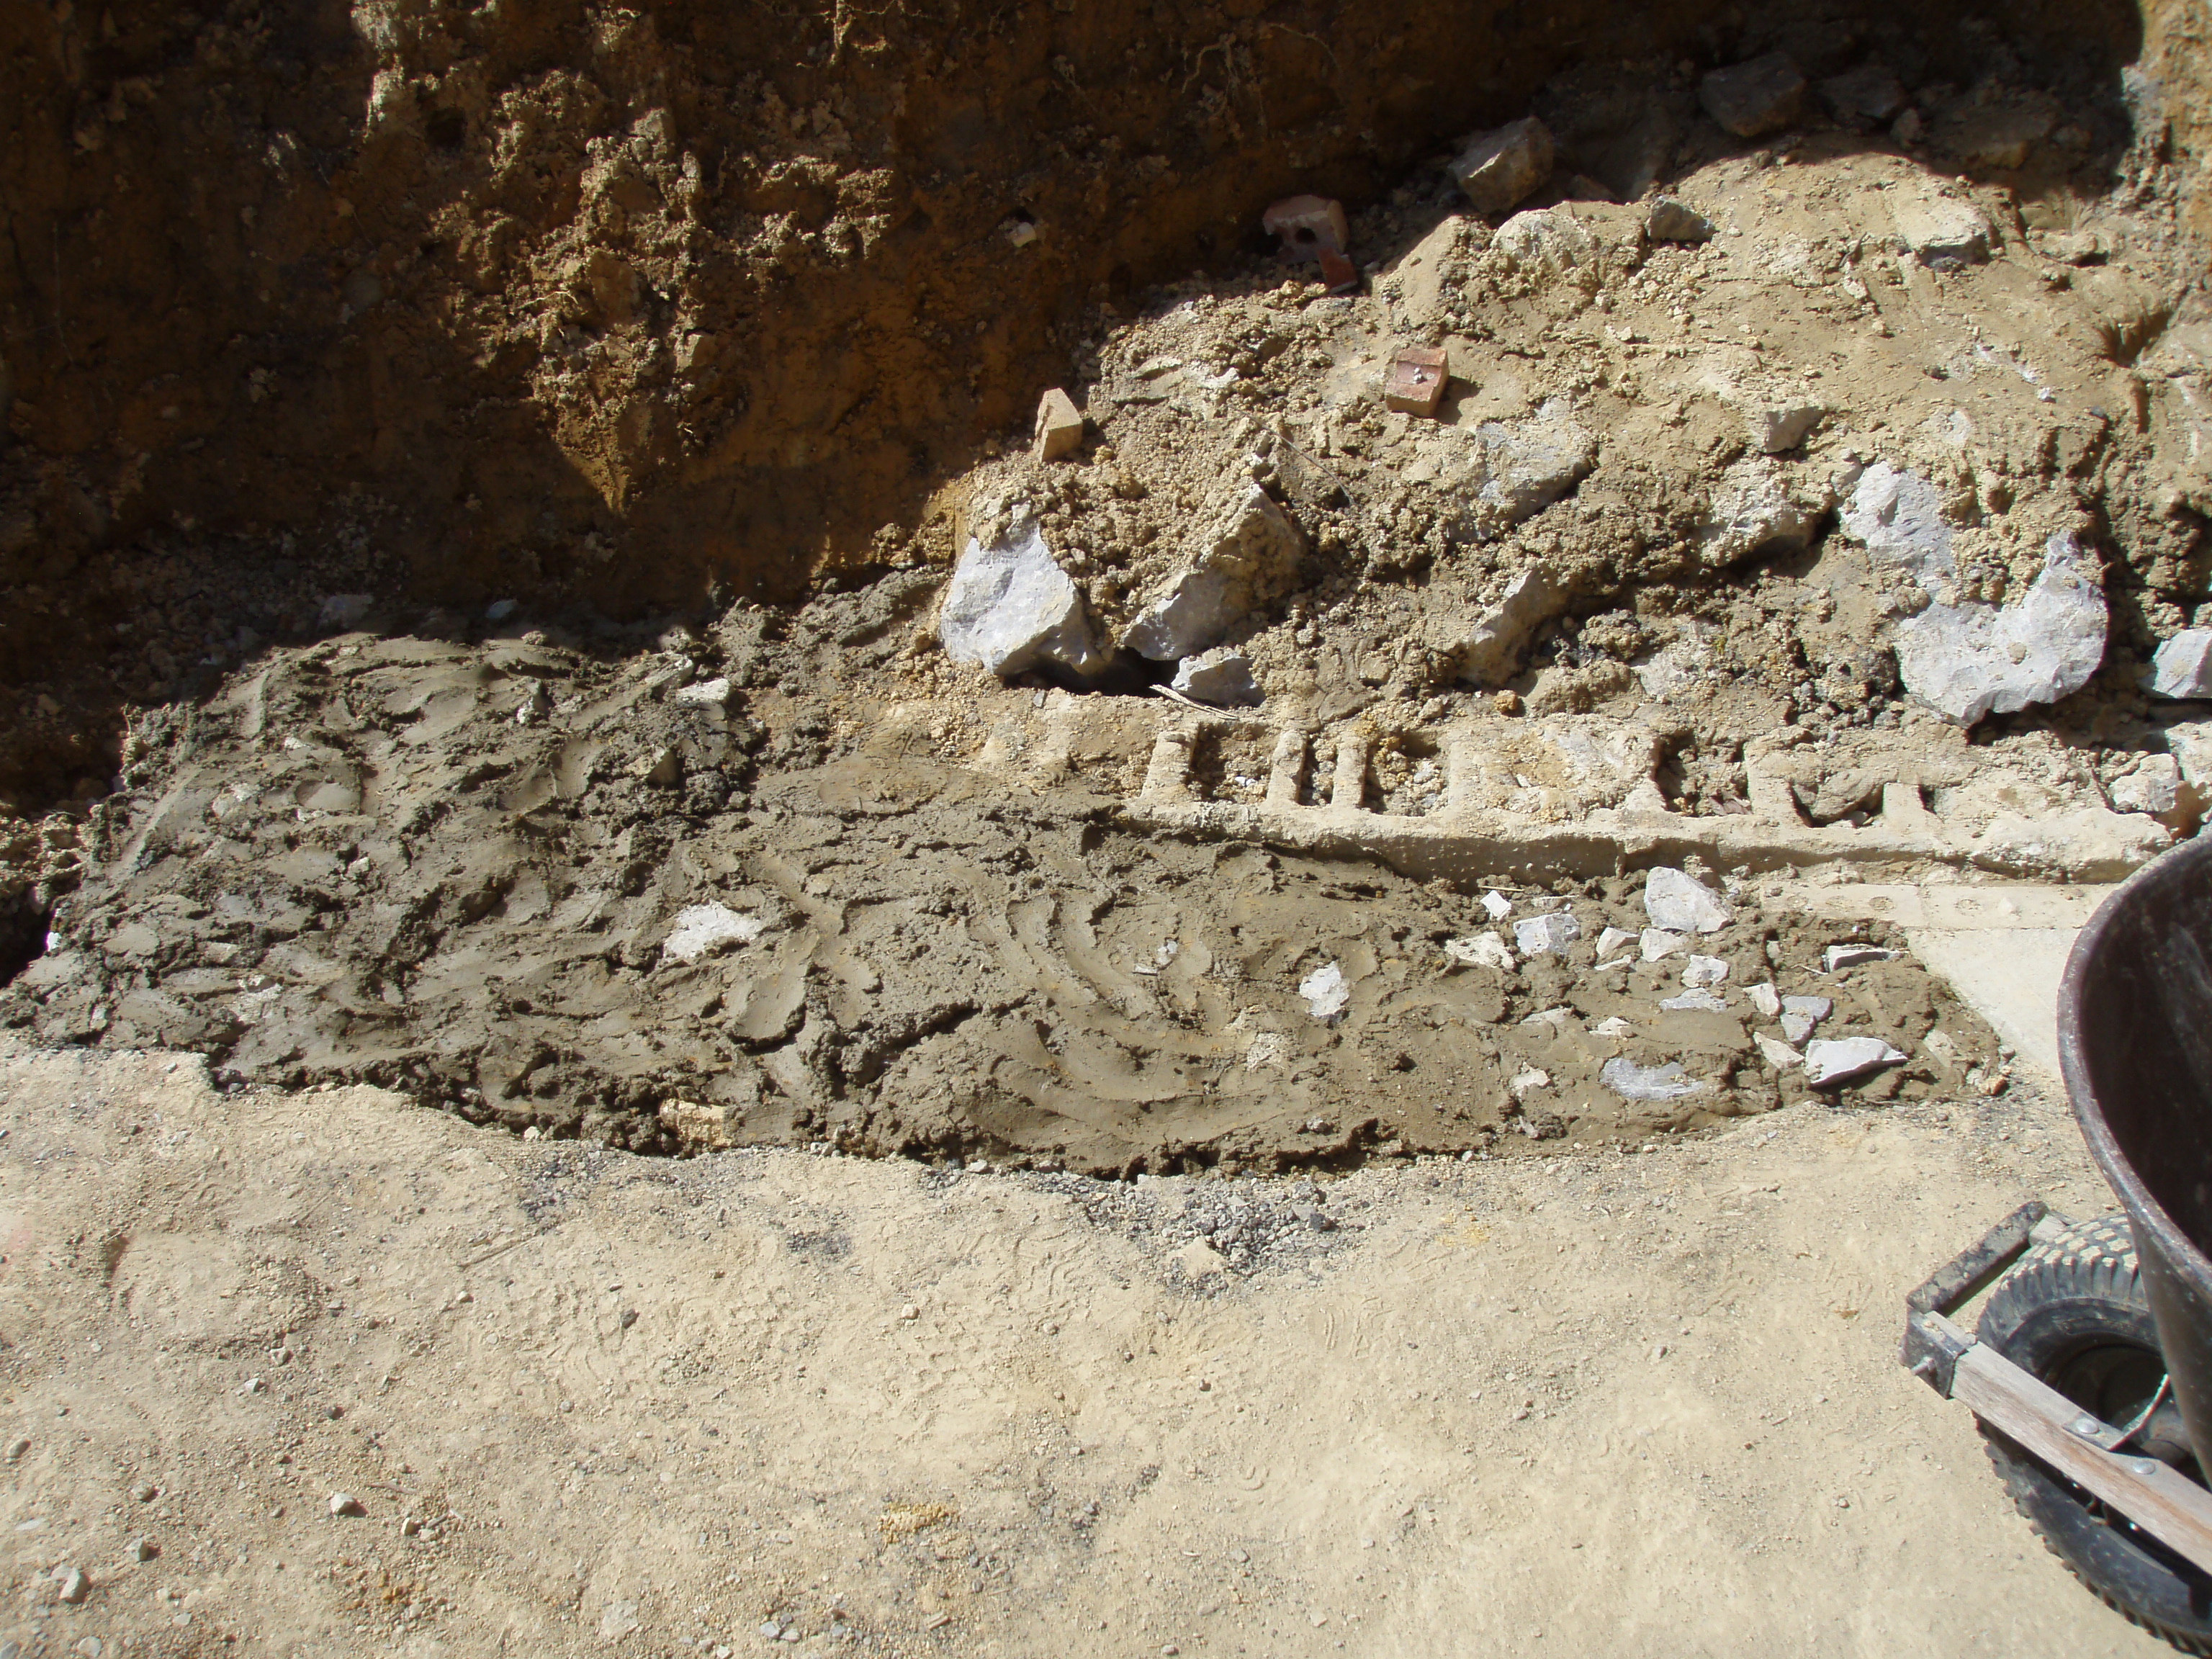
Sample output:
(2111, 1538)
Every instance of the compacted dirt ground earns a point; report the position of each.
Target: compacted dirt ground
(590, 1402)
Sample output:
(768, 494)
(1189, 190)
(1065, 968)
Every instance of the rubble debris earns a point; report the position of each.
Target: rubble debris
(1801, 1015)
(1338, 273)
(1612, 1026)
(1648, 1083)
(1657, 943)
(1547, 935)
(1897, 516)
(1222, 677)
(1500, 169)
(1011, 608)
(1756, 97)
(1942, 231)
(1307, 226)
(1680, 903)
(1511, 470)
(1966, 661)
(1695, 1001)
(1252, 551)
(1763, 998)
(2181, 668)
(1612, 940)
(1549, 240)
(2154, 785)
(1483, 949)
(1701, 973)
(704, 693)
(1830, 1062)
(1837, 957)
(1491, 653)
(1778, 1055)
(1059, 426)
(1497, 905)
(1671, 221)
(1326, 993)
(1417, 381)
(702, 930)
(343, 1503)
(1868, 96)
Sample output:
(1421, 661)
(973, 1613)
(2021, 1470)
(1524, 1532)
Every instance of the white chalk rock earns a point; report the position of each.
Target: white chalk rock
(1220, 677)
(1012, 608)
(1611, 940)
(1763, 998)
(1680, 903)
(1513, 470)
(1659, 943)
(704, 929)
(1497, 905)
(1491, 655)
(1633, 1082)
(1326, 993)
(1485, 950)
(1540, 936)
(1612, 1026)
(1702, 1002)
(1829, 1062)
(1550, 240)
(1779, 1054)
(1704, 972)
(1851, 956)
(1758, 508)
(1967, 660)
(1248, 555)
(2181, 666)
(1898, 517)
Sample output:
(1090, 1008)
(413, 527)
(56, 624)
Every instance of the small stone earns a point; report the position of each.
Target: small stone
(1307, 226)
(145, 1549)
(75, 1586)
(1539, 936)
(410, 1527)
(1704, 972)
(1943, 231)
(1615, 1027)
(1670, 221)
(910, 1312)
(1795, 1028)
(1059, 426)
(1758, 507)
(1813, 1008)
(1416, 380)
(770, 1631)
(2181, 668)
(1611, 940)
(1777, 427)
(1497, 904)
(16, 1448)
(1908, 127)
(1870, 93)
(1680, 903)
(1222, 677)
(1656, 943)
(1779, 1054)
(1702, 1002)
(1754, 97)
(345, 610)
(1633, 1082)
(344, 1503)
(1326, 993)
(702, 930)
(145, 1492)
(500, 609)
(1527, 1079)
(1850, 956)
(1011, 608)
(1500, 168)
(1763, 998)
(1485, 950)
(706, 694)
(1831, 1062)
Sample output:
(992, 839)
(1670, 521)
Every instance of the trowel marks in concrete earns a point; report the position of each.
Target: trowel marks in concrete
(547, 892)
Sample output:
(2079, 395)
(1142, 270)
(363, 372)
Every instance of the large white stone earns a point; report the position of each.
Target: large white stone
(1248, 554)
(1897, 516)
(1633, 1082)
(1220, 677)
(2181, 666)
(1491, 655)
(1967, 660)
(1680, 903)
(1512, 470)
(1012, 608)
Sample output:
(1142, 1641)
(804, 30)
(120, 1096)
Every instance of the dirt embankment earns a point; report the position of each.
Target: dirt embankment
(645, 305)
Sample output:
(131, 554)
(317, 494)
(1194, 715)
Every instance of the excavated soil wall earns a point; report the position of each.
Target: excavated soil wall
(635, 307)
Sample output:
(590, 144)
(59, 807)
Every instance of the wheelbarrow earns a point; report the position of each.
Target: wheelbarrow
(2091, 1366)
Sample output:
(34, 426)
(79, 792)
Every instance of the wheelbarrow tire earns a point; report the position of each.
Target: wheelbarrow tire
(2078, 1293)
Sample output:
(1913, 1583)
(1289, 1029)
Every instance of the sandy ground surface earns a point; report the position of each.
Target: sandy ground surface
(592, 1402)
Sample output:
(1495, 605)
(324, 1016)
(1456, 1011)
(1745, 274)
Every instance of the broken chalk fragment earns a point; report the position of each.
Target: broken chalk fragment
(1657, 942)
(1485, 950)
(1763, 998)
(1498, 904)
(1633, 1082)
(1850, 956)
(1547, 935)
(1059, 426)
(1779, 1054)
(1612, 1026)
(1682, 904)
(1828, 1063)
(1704, 972)
(1700, 1002)
(1612, 940)
(1326, 993)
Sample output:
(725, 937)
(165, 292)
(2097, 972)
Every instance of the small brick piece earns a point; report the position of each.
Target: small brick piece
(1308, 225)
(1059, 426)
(1416, 380)
(1338, 274)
